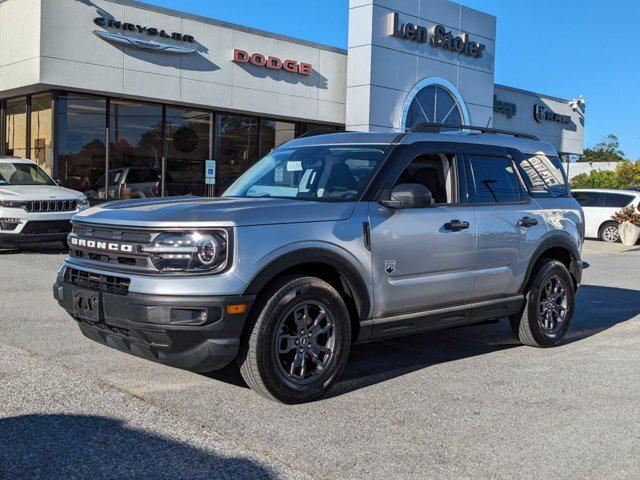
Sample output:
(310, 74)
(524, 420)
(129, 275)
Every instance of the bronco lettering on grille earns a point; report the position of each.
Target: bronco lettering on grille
(101, 245)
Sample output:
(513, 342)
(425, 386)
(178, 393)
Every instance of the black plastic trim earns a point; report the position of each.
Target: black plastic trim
(556, 239)
(352, 278)
(441, 318)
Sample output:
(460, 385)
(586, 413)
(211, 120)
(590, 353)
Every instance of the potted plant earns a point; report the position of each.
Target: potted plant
(629, 225)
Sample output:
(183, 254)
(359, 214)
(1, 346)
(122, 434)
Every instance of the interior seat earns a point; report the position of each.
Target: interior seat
(429, 178)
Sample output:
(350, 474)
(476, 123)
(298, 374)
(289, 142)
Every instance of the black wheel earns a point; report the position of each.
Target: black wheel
(609, 232)
(299, 341)
(549, 305)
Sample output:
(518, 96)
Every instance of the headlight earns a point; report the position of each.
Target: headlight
(83, 203)
(10, 204)
(189, 251)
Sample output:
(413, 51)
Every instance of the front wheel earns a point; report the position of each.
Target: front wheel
(549, 305)
(299, 342)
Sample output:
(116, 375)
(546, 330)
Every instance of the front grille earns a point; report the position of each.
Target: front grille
(98, 239)
(43, 228)
(38, 206)
(97, 281)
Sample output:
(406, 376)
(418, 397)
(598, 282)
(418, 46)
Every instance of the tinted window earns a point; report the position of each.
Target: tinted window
(588, 199)
(617, 200)
(543, 175)
(492, 179)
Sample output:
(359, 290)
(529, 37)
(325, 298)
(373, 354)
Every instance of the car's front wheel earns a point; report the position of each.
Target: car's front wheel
(298, 343)
(548, 310)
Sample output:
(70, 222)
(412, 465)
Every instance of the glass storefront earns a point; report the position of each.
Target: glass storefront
(15, 134)
(40, 132)
(188, 147)
(135, 163)
(81, 142)
(154, 149)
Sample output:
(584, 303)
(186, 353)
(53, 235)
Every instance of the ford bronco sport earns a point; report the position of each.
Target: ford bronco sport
(328, 241)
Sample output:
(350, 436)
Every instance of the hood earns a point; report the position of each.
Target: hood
(201, 212)
(38, 192)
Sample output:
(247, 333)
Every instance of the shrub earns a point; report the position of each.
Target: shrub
(597, 179)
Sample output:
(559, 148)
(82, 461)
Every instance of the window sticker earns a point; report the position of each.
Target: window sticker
(294, 166)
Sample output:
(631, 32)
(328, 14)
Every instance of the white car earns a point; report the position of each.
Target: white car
(599, 206)
(34, 208)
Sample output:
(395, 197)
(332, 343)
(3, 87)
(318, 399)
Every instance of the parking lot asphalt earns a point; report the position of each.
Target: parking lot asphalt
(462, 403)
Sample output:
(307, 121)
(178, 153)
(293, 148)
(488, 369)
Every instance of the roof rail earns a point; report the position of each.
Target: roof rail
(436, 128)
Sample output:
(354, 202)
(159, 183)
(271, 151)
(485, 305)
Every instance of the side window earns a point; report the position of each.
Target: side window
(434, 171)
(543, 175)
(493, 179)
(588, 199)
(617, 200)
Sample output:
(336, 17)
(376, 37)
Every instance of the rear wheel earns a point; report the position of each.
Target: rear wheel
(609, 232)
(548, 310)
(299, 342)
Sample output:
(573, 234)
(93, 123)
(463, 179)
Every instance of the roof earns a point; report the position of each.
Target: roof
(362, 138)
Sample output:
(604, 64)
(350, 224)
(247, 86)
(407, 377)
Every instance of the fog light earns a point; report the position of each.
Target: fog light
(189, 316)
(8, 224)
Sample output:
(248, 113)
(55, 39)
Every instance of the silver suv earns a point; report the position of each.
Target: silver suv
(328, 241)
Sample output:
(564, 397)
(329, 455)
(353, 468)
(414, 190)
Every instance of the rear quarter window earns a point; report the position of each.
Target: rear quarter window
(543, 175)
(617, 200)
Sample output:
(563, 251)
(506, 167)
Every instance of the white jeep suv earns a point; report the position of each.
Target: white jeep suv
(34, 208)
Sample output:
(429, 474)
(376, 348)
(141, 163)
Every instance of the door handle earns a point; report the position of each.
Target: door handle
(456, 225)
(527, 222)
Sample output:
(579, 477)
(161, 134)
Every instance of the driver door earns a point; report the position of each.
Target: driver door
(419, 262)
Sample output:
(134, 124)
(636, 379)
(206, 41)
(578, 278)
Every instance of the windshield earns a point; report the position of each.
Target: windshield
(324, 173)
(23, 174)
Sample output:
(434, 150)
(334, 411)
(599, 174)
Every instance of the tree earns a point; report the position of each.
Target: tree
(608, 150)
(626, 174)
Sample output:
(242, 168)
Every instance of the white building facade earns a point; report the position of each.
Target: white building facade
(106, 93)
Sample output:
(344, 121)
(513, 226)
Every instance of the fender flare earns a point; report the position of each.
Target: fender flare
(556, 240)
(354, 282)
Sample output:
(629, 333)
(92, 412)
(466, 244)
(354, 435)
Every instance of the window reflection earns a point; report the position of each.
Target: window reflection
(16, 127)
(274, 133)
(41, 128)
(81, 142)
(188, 140)
(236, 147)
(136, 151)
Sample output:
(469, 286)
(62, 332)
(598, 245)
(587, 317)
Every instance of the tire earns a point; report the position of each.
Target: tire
(535, 328)
(609, 232)
(286, 365)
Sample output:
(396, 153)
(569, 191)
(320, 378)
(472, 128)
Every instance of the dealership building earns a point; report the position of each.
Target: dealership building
(122, 93)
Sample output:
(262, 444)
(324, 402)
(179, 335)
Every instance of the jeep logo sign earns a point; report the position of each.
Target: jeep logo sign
(101, 245)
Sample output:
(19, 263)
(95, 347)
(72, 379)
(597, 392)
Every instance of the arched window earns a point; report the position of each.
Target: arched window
(434, 101)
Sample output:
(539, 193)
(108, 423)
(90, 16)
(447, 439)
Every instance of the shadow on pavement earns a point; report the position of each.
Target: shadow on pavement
(597, 309)
(74, 446)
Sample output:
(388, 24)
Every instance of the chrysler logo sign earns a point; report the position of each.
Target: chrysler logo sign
(101, 245)
(152, 33)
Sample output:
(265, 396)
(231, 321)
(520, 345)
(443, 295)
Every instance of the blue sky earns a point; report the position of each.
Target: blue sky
(557, 47)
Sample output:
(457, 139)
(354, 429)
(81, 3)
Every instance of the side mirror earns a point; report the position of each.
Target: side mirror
(408, 195)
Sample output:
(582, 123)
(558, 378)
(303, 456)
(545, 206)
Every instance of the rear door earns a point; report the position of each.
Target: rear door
(592, 204)
(509, 223)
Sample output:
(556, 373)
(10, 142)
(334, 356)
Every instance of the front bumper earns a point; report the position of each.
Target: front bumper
(153, 326)
(37, 231)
